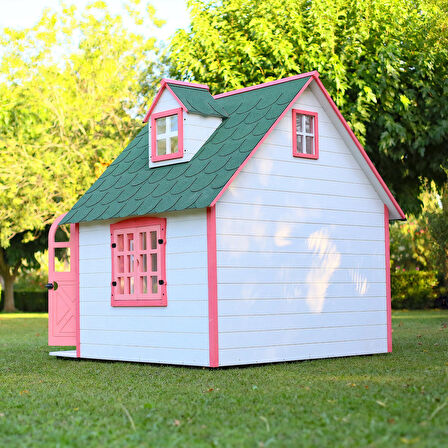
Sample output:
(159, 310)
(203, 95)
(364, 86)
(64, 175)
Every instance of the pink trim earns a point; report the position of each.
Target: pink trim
(212, 288)
(164, 85)
(388, 291)
(226, 186)
(184, 83)
(295, 153)
(314, 73)
(361, 149)
(135, 226)
(180, 135)
(77, 299)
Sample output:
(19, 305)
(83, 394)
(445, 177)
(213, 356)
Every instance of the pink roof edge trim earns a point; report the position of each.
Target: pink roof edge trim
(314, 74)
(184, 83)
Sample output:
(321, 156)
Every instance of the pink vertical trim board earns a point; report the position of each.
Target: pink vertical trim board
(77, 307)
(226, 186)
(212, 288)
(388, 291)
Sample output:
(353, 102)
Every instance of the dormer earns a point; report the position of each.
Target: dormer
(181, 118)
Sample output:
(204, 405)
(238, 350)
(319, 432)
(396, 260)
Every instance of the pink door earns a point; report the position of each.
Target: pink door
(63, 283)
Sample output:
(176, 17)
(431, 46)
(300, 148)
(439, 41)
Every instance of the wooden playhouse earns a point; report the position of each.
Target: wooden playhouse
(246, 227)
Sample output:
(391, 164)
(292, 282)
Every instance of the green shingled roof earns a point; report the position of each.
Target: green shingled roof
(129, 187)
(198, 101)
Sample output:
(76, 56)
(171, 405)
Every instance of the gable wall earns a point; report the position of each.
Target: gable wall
(176, 334)
(197, 129)
(301, 253)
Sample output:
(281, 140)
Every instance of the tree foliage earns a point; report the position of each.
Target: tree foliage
(69, 102)
(384, 62)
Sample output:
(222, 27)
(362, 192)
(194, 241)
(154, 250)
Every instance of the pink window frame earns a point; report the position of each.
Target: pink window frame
(135, 226)
(180, 135)
(296, 153)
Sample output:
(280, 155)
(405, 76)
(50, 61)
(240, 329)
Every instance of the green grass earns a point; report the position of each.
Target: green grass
(379, 401)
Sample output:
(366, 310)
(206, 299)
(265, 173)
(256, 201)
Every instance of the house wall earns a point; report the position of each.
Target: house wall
(176, 334)
(300, 253)
(197, 129)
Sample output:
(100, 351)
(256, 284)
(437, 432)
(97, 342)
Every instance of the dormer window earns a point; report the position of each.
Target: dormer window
(167, 135)
(304, 134)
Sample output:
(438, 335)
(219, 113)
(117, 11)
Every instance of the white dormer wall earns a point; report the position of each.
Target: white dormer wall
(197, 129)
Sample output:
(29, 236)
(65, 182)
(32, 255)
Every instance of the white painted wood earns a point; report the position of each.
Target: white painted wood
(157, 355)
(257, 355)
(196, 131)
(176, 334)
(64, 354)
(301, 263)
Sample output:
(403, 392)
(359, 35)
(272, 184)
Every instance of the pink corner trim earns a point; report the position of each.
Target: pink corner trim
(185, 83)
(212, 288)
(134, 224)
(164, 85)
(226, 186)
(314, 73)
(361, 149)
(295, 153)
(388, 291)
(180, 137)
(77, 299)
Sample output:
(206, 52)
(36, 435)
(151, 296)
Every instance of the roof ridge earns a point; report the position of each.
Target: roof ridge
(184, 83)
(314, 74)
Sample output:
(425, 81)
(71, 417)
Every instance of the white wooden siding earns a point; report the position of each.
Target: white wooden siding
(197, 129)
(176, 334)
(301, 263)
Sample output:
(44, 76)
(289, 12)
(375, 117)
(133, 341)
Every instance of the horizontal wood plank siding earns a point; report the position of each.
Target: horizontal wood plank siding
(176, 334)
(300, 253)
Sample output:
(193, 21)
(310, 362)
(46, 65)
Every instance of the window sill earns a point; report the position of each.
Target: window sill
(306, 156)
(140, 302)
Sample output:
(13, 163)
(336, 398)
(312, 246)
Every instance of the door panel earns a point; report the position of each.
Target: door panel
(63, 274)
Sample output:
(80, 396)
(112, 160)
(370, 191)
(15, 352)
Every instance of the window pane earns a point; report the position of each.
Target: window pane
(300, 144)
(144, 285)
(130, 263)
(173, 144)
(309, 145)
(309, 124)
(130, 241)
(143, 263)
(120, 285)
(154, 262)
(131, 285)
(299, 123)
(173, 123)
(161, 147)
(62, 259)
(154, 285)
(143, 240)
(120, 264)
(161, 125)
(153, 240)
(62, 234)
(120, 242)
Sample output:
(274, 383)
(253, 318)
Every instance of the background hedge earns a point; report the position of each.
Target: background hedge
(33, 301)
(413, 289)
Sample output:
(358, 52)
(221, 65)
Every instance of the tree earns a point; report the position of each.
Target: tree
(384, 62)
(69, 100)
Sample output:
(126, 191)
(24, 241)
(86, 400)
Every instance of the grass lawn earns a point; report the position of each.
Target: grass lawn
(380, 401)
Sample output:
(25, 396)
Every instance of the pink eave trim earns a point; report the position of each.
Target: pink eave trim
(212, 288)
(388, 291)
(259, 143)
(164, 85)
(361, 149)
(180, 135)
(295, 153)
(267, 84)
